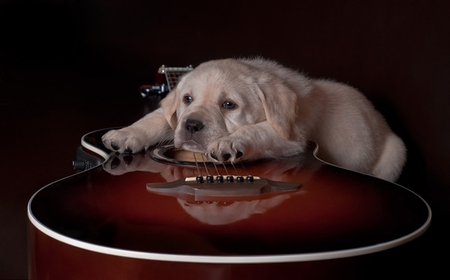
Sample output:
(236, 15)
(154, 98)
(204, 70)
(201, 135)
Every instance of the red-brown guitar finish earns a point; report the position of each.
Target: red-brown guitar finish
(97, 225)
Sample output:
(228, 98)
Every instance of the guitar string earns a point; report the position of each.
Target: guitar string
(249, 177)
(235, 170)
(204, 164)
(217, 170)
(210, 177)
(196, 165)
(245, 170)
(226, 169)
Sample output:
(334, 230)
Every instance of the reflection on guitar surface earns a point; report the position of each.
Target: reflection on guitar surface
(215, 201)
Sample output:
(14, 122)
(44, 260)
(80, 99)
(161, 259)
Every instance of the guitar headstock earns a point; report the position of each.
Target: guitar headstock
(167, 79)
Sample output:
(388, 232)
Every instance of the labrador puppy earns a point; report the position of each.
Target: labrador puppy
(245, 109)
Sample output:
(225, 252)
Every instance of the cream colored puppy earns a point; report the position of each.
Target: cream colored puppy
(246, 109)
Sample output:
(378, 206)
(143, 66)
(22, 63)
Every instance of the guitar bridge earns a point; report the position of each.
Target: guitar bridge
(204, 187)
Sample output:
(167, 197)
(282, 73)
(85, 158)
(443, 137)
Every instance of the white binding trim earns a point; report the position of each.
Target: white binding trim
(232, 259)
(93, 148)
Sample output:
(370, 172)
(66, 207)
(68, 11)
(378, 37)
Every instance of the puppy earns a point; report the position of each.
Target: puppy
(245, 109)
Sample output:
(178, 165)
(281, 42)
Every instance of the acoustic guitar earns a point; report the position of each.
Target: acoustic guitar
(168, 214)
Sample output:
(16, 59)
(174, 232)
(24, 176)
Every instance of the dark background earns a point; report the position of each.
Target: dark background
(71, 66)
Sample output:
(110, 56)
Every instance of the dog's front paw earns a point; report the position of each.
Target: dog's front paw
(125, 140)
(227, 149)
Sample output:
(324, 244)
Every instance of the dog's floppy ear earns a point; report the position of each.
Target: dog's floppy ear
(169, 105)
(279, 103)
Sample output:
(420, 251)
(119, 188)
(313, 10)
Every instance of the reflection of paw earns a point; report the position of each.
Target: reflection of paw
(124, 163)
(227, 149)
(125, 140)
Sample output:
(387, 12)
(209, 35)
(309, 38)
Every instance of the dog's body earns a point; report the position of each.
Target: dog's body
(247, 109)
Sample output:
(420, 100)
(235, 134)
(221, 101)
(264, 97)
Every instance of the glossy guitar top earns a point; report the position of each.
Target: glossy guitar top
(125, 208)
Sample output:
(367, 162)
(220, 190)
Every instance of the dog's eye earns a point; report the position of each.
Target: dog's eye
(187, 99)
(228, 105)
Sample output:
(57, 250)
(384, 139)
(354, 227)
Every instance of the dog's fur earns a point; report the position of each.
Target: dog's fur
(246, 109)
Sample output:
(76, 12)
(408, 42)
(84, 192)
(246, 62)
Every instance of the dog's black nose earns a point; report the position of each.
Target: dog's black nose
(194, 125)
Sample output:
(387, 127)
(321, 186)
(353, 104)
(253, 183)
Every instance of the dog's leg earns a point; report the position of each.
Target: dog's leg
(392, 158)
(148, 131)
(252, 142)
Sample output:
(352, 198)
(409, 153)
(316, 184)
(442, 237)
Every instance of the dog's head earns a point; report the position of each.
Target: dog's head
(219, 97)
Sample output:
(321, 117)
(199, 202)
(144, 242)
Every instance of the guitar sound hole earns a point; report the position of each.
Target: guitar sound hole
(184, 157)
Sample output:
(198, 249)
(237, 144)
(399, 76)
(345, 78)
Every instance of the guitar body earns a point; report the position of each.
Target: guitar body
(299, 218)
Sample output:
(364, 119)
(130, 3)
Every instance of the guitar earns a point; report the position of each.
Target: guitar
(166, 79)
(160, 214)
